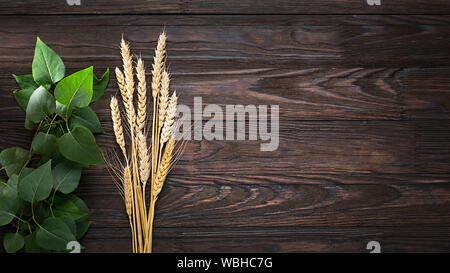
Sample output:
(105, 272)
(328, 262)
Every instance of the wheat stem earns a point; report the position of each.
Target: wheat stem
(141, 165)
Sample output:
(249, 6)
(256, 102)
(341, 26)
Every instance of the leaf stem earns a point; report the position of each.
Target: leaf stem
(30, 151)
(49, 125)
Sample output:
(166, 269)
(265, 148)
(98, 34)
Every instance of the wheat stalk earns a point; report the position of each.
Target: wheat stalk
(157, 71)
(140, 165)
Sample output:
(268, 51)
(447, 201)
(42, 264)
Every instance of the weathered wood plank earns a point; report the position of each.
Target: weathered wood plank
(364, 122)
(304, 94)
(302, 205)
(229, 20)
(282, 218)
(272, 43)
(333, 147)
(168, 240)
(224, 7)
(322, 213)
(319, 217)
(315, 71)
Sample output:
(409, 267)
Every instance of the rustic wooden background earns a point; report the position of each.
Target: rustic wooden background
(364, 118)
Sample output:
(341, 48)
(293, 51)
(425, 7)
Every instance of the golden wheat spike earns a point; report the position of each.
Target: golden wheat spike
(144, 158)
(128, 191)
(121, 83)
(126, 99)
(164, 167)
(158, 65)
(117, 125)
(129, 84)
(127, 66)
(142, 96)
(169, 118)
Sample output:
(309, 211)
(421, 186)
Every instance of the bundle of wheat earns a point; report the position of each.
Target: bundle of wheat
(141, 164)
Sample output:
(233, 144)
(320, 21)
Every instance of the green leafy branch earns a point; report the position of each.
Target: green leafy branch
(37, 199)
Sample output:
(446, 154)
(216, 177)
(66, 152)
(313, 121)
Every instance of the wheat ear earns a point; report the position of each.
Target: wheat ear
(117, 125)
(144, 158)
(163, 97)
(129, 83)
(127, 189)
(158, 64)
(164, 167)
(142, 96)
(127, 66)
(158, 68)
(121, 83)
(169, 119)
(126, 99)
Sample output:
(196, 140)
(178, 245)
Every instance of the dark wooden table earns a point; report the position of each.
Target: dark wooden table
(364, 96)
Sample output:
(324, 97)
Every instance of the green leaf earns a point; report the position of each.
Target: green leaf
(8, 209)
(79, 145)
(25, 209)
(12, 190)
(85, 117)
(25, 172)
(26, 81)
(47, 65)
(42, 211)
(55, 156)
(13, 160)
(44, 144)
(63, 206)
(100, 86)
(40, 105)
(31, 245)
(13, 182)
(70, 223)
(82, 224)
(13, 242)
(76, 90)
(23, 96)
(37, 185)
(54, 234)
(66, 176)
(79, 203)
(82, 227)
(61, 110)
(9, 203)
(29, 125)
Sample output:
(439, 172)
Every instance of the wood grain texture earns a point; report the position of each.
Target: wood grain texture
(364, 122)
(305, 94)
(316, 70)
(224, 7)
(334, 147)
(196, 44)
